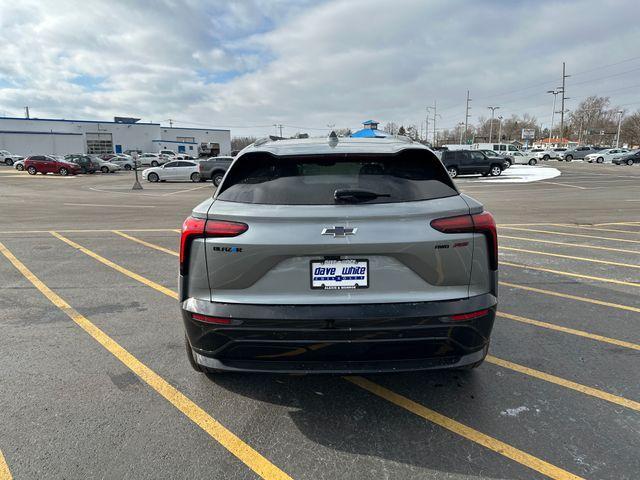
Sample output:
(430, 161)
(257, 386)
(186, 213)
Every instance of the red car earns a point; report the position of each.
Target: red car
(45, 164)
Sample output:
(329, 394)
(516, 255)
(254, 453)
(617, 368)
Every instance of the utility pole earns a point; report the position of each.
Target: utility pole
(461, 124)
(466, 117)
(435, 114)
(620, 112)
(493, 109)
(170, 123)
(499, 130)
(564, 76)
(426, 129)
(278, 126)
(26, 112)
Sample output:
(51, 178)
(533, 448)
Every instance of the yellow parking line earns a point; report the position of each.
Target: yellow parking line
(565, 234)
(571, 297)
(148, 244)
(115, 266)
(463, 430)
(578, 245)
(582, 259)
(569, 274)
(572, 331)
(594, 392)
(177, 230)
(250, 457)
(590, 228)
(5, 473)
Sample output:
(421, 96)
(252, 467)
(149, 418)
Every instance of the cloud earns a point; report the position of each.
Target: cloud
(307, 64)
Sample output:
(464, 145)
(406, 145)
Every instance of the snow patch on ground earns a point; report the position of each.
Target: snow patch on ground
(514, 412)
(523, 174)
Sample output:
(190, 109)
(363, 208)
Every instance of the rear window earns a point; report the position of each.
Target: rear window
(408, 176)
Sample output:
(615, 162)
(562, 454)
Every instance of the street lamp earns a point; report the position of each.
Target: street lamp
(553, 111)
(460, 125)
(493, 109)
(620, 112)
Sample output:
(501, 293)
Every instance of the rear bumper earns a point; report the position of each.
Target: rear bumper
(341, 339)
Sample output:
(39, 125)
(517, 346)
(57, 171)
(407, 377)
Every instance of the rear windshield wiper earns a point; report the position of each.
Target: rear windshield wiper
(356, 196)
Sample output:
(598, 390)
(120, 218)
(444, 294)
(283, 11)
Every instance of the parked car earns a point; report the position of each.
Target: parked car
(214, 168)
(107, 167)
(48, 164)
(9, 158)
(126, 163)
(86, 163)
(493, 155)
(151, 159)
(605, 156)
(365, 248)
(168, 154)
(464, 162)
(628, 159)
(523, 158)
(176, 171)
(577, 153)
(19, 165)
(132, 151)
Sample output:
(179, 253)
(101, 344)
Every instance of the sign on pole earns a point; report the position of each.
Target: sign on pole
(528, 133)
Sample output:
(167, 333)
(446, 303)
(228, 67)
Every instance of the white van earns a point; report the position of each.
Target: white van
(512, 153)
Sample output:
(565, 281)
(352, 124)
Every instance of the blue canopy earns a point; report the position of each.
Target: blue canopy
(369, 133)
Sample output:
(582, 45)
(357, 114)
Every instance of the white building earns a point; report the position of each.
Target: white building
(32, 136)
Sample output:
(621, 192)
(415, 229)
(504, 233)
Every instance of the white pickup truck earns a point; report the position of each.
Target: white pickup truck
(8, 158)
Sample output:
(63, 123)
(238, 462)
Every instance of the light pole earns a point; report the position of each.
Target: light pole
(620, 112)
(500, 131)
(136, 184)
(493, 109)
(553, 112)
(460, 125)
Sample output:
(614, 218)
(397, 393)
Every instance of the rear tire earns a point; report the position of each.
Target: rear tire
(104, 169)
(127, 167)
(495, 170)
(153, 177)
(32, 170)
(195, 177)
(546, 157)
(154, 163)
(629, 162)
(9, 161)
(20, 167)
(217, 178)
(532, 161)
(453, 172)
(599, 160)
(192, 361)
(63, 171)
(508, 162)
(568, 158)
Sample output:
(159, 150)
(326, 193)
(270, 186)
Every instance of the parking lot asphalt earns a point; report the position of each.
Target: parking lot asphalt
(94, 380)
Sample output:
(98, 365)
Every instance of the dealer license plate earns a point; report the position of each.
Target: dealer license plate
(339, 274)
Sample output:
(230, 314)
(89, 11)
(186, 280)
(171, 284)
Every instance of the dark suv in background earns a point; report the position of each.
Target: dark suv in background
(465, 162)
(85, 162)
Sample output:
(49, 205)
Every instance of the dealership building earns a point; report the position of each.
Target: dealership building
(32, 136)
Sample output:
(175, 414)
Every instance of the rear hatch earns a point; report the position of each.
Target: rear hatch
(339, 229)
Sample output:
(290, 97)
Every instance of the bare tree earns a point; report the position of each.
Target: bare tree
(391, 127)
(593, 121)
(630, 130)
(343, 132)
(238, 143)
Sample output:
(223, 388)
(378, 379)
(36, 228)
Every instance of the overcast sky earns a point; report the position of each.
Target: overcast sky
(307, 64)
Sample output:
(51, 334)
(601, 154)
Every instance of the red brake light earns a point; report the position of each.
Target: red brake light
(469, 316)
(199, 227)
(477, 223)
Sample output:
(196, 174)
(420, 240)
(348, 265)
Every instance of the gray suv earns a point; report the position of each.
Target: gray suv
(577, 153)
(338, 255)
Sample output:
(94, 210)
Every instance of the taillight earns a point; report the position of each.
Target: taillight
(208, 319)
(478, 223)
(469, 316)
(200, 228)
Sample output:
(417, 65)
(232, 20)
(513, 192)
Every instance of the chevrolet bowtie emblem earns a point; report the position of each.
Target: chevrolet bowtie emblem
(339, 231)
